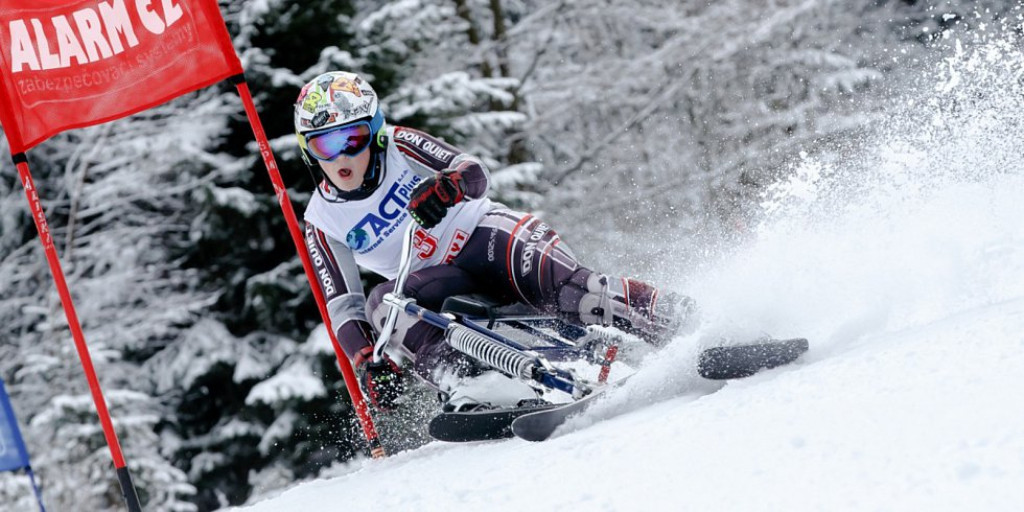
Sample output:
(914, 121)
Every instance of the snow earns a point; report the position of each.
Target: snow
(902, 261)
(916, 419)
(912, 420)
(294, 381)
(238, 198)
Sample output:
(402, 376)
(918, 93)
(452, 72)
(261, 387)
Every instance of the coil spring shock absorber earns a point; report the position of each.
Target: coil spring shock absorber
(502, 357)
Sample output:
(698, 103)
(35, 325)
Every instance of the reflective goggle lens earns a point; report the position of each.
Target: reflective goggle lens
(347, 140)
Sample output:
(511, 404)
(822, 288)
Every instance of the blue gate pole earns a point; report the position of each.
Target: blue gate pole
(14, 435)
(35, 488)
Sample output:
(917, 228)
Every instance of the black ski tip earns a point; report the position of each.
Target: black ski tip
(463, 429)
(532, 435)
(540, 425)
(736, 362)
(482, 425)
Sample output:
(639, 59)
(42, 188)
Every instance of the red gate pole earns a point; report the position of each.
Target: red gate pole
(131, 497)
(351, 381)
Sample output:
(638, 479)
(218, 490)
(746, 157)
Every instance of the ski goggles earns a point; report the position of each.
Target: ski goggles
(349, 140)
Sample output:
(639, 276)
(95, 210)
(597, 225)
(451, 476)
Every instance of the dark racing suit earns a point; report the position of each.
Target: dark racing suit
(479, 247)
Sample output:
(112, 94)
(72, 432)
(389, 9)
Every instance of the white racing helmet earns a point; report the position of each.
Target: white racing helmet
(335, 101)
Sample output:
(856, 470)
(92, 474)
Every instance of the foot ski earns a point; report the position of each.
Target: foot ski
(539, 425)
(715, 363)
(482, 425)
(720, 363)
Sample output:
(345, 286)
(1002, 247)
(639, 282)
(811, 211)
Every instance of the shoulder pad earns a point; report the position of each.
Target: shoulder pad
(424, 148)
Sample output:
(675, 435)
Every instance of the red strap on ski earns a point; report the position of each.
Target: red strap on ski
(606, 365)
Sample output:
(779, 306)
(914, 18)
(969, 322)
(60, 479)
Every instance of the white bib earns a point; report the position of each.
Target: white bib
(372, 227)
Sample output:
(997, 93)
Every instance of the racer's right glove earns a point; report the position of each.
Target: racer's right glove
(431, 198)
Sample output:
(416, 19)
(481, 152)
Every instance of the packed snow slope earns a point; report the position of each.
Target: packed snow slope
(902, 262)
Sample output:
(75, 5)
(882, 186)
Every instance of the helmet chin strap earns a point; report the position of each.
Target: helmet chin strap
(371, 179)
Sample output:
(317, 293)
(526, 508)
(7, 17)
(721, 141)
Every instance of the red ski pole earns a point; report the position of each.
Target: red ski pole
(131, 497)
(351, 382)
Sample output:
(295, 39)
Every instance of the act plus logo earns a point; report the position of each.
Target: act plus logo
(377, 225)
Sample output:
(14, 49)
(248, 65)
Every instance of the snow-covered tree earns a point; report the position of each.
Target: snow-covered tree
(119, 202)
(664, 119)
(77, 463)
(443, 66)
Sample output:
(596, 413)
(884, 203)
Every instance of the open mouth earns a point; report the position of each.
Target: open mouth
(344, 172)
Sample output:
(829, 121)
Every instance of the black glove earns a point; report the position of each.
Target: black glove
(431, 199)
(380, 381)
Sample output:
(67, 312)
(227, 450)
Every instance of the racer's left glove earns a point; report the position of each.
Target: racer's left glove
(432, 197)
(380, 381)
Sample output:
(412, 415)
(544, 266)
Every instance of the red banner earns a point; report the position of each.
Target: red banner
(72, 63)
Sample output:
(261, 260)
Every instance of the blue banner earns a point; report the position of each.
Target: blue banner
(12, 449)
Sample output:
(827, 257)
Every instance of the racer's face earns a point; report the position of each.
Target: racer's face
(346, 172)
